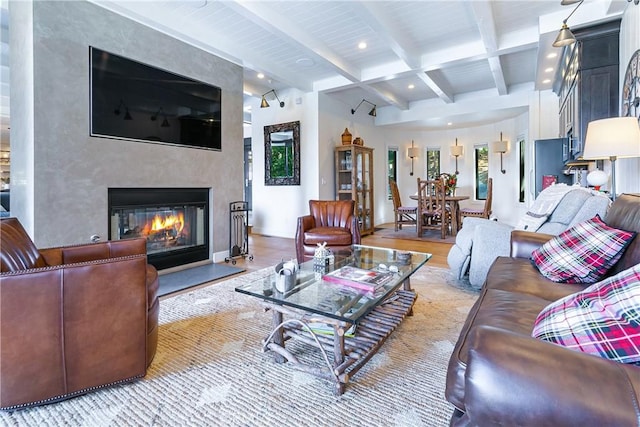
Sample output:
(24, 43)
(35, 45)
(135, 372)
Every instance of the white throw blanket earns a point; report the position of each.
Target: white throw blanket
(544, 205)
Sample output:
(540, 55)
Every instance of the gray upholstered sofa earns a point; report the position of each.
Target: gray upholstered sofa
(481, 241)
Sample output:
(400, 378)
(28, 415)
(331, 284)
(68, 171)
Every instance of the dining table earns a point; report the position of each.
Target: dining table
(454, 202)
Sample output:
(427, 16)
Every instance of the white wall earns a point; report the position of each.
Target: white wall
(276, 208)
(61, 175)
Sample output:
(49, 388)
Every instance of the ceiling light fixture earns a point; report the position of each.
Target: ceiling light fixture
(565, 36)
(373, 111)
(265, 104)
(362, 45)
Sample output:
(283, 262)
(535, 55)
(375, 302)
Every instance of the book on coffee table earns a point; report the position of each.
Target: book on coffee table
(360, 278)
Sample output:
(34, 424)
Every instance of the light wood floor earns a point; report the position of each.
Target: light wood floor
(268, 251)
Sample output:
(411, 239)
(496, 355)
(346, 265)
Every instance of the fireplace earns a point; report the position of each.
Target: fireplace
(174, 222)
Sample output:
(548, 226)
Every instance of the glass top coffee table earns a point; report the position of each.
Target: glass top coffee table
(323, 313)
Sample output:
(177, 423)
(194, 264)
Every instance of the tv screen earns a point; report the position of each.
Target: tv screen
(131, 100)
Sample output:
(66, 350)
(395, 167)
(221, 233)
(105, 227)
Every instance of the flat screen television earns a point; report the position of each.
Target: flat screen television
(134, 101)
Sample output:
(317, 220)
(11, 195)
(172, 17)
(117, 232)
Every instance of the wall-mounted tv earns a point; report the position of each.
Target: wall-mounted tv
(134, 101)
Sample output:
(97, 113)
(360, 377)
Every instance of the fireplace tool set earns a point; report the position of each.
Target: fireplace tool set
(238, 232)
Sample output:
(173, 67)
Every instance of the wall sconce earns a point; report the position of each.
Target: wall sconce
(456, 151)
(372, 113)
(612, 138)
(265, 104)
(413, 152)
(565, 36)
(501, 147)
(165, 122)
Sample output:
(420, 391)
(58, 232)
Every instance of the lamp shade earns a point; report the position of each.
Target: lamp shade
(613, 137)
(500, 146)
(565, 37)
(456, 150)
(413, 152)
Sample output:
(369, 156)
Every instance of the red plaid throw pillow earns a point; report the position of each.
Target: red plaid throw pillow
(583, 253)
(603, 320)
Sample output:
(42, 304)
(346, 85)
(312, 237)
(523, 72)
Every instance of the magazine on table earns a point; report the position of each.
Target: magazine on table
(368, 280)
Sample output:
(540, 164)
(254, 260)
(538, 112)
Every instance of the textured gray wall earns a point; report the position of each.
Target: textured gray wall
(72, 171)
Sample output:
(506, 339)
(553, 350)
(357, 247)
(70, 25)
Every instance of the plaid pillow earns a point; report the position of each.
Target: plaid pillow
(603, 320)
(583, 253)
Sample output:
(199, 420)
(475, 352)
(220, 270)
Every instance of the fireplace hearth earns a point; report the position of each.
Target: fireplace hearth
(174, 222)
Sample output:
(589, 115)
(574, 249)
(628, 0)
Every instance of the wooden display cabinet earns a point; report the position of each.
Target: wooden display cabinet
(354, 181)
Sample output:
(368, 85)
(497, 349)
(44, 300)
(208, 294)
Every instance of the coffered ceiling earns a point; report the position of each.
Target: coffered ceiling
(420, 56)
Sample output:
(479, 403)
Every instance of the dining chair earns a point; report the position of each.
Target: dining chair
(485, 212)
(432, 210)
(402, 214)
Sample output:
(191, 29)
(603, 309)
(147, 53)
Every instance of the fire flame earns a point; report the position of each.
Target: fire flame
(158, 223)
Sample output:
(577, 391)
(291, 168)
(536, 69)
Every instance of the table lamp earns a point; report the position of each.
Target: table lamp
(612, 138)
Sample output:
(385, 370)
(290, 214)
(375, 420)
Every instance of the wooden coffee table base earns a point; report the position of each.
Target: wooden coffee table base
(349, 353)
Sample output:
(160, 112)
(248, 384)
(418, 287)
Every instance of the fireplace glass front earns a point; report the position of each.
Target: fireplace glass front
(174, 224)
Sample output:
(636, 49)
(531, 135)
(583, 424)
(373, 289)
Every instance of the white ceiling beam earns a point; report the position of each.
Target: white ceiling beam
(274, 21)
(445, 95)
(374, 14)
(483, 12)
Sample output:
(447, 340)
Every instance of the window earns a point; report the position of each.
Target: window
(433, 163)
(392, 168)
(481, 170)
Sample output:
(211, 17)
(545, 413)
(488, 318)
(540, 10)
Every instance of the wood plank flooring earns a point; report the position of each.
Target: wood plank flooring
(268, 251)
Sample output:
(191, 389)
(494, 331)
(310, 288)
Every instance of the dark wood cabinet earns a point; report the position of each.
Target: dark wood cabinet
(587, 85)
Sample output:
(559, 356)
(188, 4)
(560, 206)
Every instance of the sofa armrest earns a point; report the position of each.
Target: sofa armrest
(518, 380)
(525, 242)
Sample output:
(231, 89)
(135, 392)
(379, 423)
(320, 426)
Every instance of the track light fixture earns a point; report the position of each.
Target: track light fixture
(265, 104)
(118, 110)
(565, 36)
(372, 113)
(165, 122)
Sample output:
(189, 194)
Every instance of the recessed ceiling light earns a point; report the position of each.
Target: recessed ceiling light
(545, 81)
(362, 45)
(449, 124)
(305, 62)
(247, 93)
(411, 86)
(552, 55)
(548, 70)
(260, 76)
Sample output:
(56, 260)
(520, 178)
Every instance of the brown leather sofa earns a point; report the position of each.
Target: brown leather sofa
(72, 319)
(499, 375)
(331, 221)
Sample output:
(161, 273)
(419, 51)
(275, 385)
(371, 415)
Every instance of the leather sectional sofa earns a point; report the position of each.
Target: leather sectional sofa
(499, 375)
(72, 319)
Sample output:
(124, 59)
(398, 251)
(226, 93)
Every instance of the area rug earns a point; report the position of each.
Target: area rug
(209, 369)
(410, 233)
(184, 279)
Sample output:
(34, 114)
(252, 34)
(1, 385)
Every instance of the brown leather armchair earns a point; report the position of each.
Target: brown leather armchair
(331, 221)
(72, 319)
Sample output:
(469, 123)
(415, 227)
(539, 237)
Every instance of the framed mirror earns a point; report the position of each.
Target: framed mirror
(282, 154)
